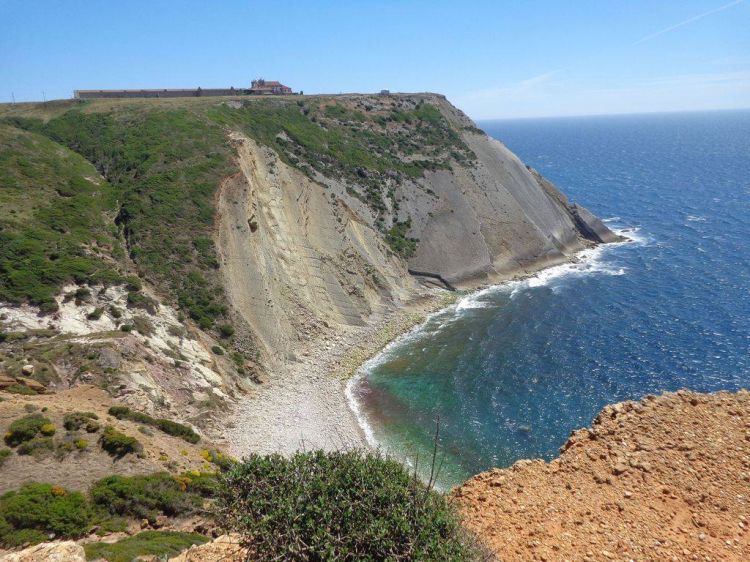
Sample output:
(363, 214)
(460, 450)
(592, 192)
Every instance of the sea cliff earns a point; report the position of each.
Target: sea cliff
(234, 242)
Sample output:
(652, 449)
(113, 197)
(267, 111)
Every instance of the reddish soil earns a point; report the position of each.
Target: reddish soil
(666, 478)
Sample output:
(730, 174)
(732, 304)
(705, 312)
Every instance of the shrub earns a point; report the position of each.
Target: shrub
(25, 429)
(38, 446)
(350, 505)
(226, 330)
(74, 421)
(4, 454)
(47, 429)
(118, 444)
(145, 497)
(143, 325)
(169, 427)
(217, 350)
(37, 510)
(95, 314)
(155, 543)
(81, 444)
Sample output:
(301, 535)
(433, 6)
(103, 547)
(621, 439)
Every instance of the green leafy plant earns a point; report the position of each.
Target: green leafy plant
(147, 543)
(350, 505)
(25, 429)
(169, 427)
(34, 511)
(146, 497)
(74, 421)
(118, 444)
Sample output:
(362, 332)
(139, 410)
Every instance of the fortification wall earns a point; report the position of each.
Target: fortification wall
(165, 93)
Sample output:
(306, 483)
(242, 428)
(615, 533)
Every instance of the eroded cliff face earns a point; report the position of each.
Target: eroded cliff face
(302, 253)
(261, 231)
(296, 258)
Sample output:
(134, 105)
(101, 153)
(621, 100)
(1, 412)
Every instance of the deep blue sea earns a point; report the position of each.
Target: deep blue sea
(512, 370)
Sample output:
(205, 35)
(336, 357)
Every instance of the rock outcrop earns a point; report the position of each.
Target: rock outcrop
(301, 251)
(66, 551)
(665, 478)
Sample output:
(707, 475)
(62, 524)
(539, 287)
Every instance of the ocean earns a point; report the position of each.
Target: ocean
(508, 372)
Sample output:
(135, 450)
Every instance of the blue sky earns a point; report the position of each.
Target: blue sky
(493, 59)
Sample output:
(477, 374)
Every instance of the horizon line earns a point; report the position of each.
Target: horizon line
(617, 114)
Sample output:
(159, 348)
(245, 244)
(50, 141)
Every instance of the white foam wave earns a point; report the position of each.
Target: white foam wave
(696, 218)
(587, 262)
(356, 406)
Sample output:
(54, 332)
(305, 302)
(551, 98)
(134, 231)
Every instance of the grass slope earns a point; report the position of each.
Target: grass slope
(163, 161)
(55, 219)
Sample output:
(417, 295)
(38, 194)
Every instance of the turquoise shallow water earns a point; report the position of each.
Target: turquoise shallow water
(512, 370)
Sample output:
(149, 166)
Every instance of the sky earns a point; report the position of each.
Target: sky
(494, 59)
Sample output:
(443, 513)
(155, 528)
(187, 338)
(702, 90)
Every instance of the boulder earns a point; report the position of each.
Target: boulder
(27, 370)
(6, 381)
(224, 549)
(36, 386)
(66, 551)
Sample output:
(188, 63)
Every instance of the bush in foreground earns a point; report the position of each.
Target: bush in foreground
(350, 505)
(148, 496)
(32, 513)
(154, 543)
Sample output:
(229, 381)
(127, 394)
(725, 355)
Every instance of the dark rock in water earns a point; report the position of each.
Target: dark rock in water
(591, 227)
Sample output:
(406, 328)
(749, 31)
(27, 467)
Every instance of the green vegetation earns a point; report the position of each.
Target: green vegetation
(25, 429)
(169, 427)
(74, 421)
(34, 511)
(53, 219)
(21, 389)
(397, 239)
(158, 543)
(146, 497)
(226, 330)
(38, 447)
(337, 506)
(118, 444)
(145, 172)
(4, 454)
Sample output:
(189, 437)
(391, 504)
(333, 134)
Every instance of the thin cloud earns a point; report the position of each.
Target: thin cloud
(517, 88)
(688, 21)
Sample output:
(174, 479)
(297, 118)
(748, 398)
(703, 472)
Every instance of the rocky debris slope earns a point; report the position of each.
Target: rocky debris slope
(138, 350)
(665, 478)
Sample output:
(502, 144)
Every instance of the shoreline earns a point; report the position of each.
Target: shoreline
(308, 404)
(305, 406)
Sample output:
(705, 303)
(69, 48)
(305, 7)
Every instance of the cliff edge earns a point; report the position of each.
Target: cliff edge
(664, 478)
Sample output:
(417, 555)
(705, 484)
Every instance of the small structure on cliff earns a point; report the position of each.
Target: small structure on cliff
(268, 87)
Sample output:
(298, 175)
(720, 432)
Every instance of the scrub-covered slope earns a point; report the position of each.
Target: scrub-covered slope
(263, 223)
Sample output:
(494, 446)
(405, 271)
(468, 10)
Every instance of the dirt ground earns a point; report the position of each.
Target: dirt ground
(79, 468)
(666, 478)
